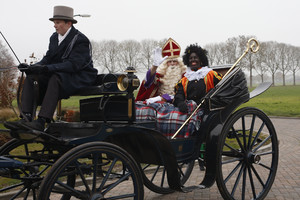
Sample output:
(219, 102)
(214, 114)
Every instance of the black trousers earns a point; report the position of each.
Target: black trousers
(47, 94)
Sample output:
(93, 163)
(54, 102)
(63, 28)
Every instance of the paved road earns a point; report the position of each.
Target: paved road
(287, 183)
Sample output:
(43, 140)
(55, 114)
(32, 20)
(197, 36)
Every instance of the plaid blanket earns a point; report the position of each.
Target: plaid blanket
(168, 118)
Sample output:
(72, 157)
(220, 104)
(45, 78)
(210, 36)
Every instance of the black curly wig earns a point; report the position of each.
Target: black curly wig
(201, 53)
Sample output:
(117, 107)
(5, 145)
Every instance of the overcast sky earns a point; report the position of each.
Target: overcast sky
(26, 25)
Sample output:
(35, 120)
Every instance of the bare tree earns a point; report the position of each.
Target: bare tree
(147, 47)
(249, 61)
(105, 55)
(261, 67)
(295, 62)
(269, 59)
(283, 60)
(231, 50)
(7, 78)
(129, 54)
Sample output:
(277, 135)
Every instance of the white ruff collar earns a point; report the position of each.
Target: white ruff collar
(196, 75)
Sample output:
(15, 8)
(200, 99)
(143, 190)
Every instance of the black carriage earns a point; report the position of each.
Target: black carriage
(109, 155)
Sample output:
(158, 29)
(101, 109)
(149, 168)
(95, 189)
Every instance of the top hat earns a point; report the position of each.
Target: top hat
(171, 49)
(63, 13)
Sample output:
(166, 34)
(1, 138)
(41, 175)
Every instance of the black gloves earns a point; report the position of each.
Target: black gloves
(38, 69)
(33, 69)
(182, 107)
(23, 67)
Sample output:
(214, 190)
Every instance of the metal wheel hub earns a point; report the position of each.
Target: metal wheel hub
(253, 158)
(97, 196)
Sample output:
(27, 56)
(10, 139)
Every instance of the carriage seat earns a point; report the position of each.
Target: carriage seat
(104, 84)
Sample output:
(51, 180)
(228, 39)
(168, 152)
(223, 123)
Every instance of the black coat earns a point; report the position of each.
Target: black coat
(72, 63)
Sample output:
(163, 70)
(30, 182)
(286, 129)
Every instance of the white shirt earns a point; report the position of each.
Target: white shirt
(62, 37)
(196, 75)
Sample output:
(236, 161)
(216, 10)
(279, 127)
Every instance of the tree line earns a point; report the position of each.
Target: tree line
(112, 56)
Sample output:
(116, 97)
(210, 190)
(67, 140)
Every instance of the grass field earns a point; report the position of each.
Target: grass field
(278, 101)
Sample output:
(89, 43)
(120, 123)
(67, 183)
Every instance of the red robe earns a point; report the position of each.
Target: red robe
(152, 91)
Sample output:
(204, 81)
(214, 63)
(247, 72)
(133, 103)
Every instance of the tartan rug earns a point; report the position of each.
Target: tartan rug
(168, 117)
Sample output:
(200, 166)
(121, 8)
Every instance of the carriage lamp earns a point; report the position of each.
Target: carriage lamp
(129, 82)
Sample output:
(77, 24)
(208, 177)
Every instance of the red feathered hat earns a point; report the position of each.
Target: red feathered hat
(171, 49)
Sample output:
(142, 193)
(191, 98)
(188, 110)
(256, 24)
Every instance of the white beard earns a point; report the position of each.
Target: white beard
(171, 77)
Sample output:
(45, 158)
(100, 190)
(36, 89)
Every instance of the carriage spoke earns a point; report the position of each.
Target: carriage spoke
(124, 177)
(163, 178)
(69, 190)
(244, 133)
(257, 176)
(232, 172)
(251, 131)
(233, 149)
(26, 151)
(251, 182)
(237, 180)
(34, 194)
(269, 168)
(257, 135)
(154, 174)
(107, 175)
(82, 177)
(95, 163)
(231, 161)
(180, 169)
(262, 143)
(42, 171)
(11, 187)
(18, 193)
(244, 182)
(265, 153)
(146, 167)
(27, 193)
(238, 140)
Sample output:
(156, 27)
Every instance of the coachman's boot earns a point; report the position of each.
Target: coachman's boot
(15, 125)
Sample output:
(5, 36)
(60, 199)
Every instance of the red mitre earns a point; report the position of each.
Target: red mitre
(171, 49)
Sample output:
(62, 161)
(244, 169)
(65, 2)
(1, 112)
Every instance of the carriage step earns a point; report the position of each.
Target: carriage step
(192, 188)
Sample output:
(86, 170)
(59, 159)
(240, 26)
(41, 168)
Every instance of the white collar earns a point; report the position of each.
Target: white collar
(196, 75)
(62, 37)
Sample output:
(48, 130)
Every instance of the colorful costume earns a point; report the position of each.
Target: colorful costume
(166, 77)
(195, 85)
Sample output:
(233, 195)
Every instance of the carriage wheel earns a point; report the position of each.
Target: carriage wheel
(248, 155)
(103, 171)
(155, 176)
(37, 158)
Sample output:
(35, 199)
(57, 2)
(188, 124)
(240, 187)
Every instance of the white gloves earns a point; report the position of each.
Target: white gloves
(153, 100)
(157, 57)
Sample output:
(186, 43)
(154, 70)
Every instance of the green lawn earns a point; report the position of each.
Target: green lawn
(278, 101)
